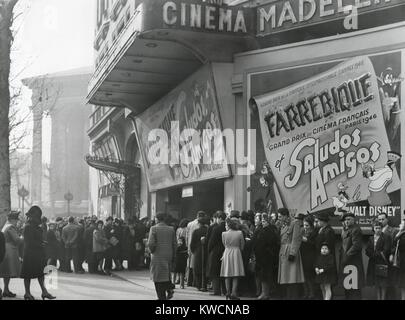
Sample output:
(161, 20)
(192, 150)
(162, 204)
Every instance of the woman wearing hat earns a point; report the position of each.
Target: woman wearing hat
(34, 261)
(10, 268)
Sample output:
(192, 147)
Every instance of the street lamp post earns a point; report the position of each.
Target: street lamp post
(68, 198)
(23, 193)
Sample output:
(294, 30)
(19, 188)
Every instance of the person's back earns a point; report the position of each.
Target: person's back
(99, 241)
(233, 239)
(70, 234)
(164, 235)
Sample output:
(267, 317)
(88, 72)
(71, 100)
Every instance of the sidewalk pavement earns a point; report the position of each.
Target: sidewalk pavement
(142, 279)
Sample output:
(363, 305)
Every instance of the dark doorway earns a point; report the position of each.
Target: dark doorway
(207, 196)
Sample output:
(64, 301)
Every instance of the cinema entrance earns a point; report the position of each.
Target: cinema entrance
(185, 202)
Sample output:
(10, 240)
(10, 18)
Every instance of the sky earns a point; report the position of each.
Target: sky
(52, 36)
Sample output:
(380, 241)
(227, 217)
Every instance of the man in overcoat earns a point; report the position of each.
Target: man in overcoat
(351, 260)
(390, 233)
(162, 245)
(215, 251)
(290, 270)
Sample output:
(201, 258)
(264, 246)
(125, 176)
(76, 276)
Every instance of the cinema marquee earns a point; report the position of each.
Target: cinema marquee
(205, 17)
(290, 14)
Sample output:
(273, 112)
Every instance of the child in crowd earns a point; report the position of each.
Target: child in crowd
(325, 270)
(181, 260)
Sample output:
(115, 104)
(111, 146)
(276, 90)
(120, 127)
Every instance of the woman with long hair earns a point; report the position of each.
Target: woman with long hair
(34, 260)
(10, 268)
(232, 262)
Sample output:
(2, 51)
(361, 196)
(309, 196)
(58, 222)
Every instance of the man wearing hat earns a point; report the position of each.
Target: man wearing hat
(290, 270)
(351, 257)
(191, 227)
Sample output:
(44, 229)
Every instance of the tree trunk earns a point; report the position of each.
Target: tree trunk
(6, 20)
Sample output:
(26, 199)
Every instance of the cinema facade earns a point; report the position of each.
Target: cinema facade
(313, 88)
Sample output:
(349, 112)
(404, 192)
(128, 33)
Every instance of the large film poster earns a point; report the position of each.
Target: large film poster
(191, 106)
(332, 140)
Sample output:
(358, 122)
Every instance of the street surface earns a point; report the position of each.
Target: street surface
(125, 285)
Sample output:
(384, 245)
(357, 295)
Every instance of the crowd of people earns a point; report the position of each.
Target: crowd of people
(277, 256)
(30, 244)
(242, 254)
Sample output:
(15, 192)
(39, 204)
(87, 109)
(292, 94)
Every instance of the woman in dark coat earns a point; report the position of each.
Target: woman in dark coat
(197, 247)
(88, 244)
(309, 254)
(266, 249)
(52, 245)
(378, 250)
(34, 261)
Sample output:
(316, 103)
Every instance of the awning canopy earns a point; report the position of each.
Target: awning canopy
(113, 165)
(151, 56)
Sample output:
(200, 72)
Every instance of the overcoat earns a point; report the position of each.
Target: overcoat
(351, 252)
(88, 243)
(266, 246)
(291, 272)
(11, 265)
(198, 249)
(162, 245)
(377, 254)
(52, 245)
(309, 254)
(215, 251)
(327, 263)
(34, 261)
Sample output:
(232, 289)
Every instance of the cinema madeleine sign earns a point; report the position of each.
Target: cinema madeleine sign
(273, 17)
(279, 16)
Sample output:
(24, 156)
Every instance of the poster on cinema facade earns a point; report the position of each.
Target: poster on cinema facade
(193, 144)
(332, 140)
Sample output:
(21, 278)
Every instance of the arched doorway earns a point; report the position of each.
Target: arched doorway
(132, 199)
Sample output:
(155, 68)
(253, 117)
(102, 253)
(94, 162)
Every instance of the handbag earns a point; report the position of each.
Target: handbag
(381, 270)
